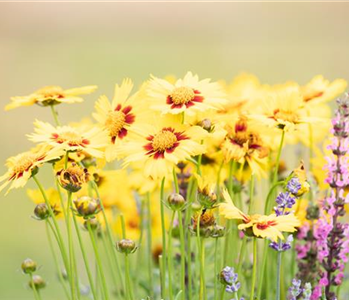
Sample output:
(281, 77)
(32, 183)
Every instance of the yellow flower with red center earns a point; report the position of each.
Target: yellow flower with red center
(159, 147)
(245, 145)
(262, 226)
(187, 95)
(118, 116)
(22, 166)
(68, 138)
(320, 90)
(51, 95)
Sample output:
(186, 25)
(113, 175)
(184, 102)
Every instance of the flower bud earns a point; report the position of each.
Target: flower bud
(87, 206)
(313, 212)
(41, 211)
(207, 197)
(126, 246)
(207, 219)
(73, 178)
(176, 201)
(28, 266)
(38, 282)
(217, 231)
(206, 124)
(93, 223)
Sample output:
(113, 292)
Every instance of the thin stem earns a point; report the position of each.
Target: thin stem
(181, 236)
(99, 261)
(254, 270)
(170, 258)
(175, 180)
(35, 291)
(241, 254)
(55, 115)
(55, 259)
(278, 275)
(129, 289)
(84, 256)
(250, 207)
(123, 227)
(270, 197)
(215, 268)
(71, 247)
(163, 230)
(202, 262)
(149, 244)
(275, 176)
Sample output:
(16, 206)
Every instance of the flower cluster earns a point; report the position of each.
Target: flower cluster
(296, 292)
(230, 279)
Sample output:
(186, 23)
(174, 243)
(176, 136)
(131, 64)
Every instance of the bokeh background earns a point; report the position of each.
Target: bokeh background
(76, 44)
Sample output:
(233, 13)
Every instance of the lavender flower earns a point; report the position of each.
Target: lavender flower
(284, 200)
(293, 186)
(230, 279)
(282, 246)
(295, 290)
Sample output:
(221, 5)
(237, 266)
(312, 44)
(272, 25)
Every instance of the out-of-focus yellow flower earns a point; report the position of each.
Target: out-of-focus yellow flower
(22, 166)
(159, 147)
(187, 95)
(51, 95)
(118, 116)
(270, 226)
(70, 138)
(284, 109)
(320, 90)
(245, 145)
(52, 195)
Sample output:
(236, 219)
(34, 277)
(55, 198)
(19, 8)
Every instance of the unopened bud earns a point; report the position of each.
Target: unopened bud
(41, 211)
(38, 282)
(206, 124)
(73, 178)
(126, 246)
(176, 201)
(93, 223)
(87, 206)
(28, 266)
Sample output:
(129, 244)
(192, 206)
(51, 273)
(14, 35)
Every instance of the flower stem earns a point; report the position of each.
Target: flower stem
(35, 291)
(202, 262)
(275, 176)
(254, 270)
(175, 180)
(215, 268)
(149, 244)
(55, 115)
(98, 260)
(181, 236)
(128, 279)
(163, 230)
(278, 275)
(55, 259)
(84, 256)
(170, 258)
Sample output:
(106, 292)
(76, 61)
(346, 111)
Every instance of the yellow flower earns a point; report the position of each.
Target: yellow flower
(22, 166)
(320, 90)
(70, 138)
(262, 226)
(284, 108)
(159, 147)
(245, 145)
(73, 177)
(187, 95)
(118, 116)
(51, 95)
(52, 195)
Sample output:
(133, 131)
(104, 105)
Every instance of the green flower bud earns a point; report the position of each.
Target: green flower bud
(126, 246)
(93, 223)
(176, 201)
(38, 282)
(28, 266)
(41, 211)
(87, 206)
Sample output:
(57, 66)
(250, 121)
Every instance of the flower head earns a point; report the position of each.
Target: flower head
(51, 95)
(68, 138)
(187, 95)
(262, 226)
(22, 166)
(73, 177)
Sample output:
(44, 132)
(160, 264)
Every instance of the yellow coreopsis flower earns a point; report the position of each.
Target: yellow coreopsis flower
(270, 226)
(119, 115)
(159, 147)
(51, 95)
(22, 166)
(320, 90)
(70, 138)
(187, 95)
(283, 108)
(245, 145)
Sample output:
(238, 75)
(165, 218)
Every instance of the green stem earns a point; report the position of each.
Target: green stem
(181, 236)
(149, 244)
(55, 259)
(55, 115)
(254, 270)
(99, 261)
(129, 289)
(278, 275)
(163, 230)
(71, 248)
(250, 207)
(215, 268)
(175, 180)
(262, 269)
(221, 296)
(202, 262)
(170, 258)
(85, 258)
(189, 266)
(241, 255)
(270, 197)
(123, 227)
(35, 291)
(275, 176)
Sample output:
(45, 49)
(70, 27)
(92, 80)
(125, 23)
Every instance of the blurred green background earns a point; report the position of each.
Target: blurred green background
(76, 44)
